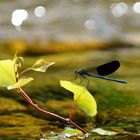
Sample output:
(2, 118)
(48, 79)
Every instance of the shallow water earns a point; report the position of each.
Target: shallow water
(118, 104)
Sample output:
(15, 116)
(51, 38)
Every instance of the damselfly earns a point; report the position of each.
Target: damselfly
(101, 71)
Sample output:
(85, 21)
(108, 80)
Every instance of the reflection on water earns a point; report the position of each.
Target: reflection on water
(66, 19)
(18, 16)
(40, 11)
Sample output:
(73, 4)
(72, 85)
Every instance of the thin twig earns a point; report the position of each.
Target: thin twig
(66, 120)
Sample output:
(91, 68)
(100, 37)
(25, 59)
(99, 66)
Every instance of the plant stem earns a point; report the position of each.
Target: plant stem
(26, 70)
(66, 120)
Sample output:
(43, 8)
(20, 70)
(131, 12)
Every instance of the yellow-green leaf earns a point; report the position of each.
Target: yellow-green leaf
(69, 132)
(83, 98)
(20, 83)
(7, 73)
(41, 65)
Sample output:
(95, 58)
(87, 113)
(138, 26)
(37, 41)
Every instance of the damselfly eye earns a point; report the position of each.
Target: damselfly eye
(76, 71)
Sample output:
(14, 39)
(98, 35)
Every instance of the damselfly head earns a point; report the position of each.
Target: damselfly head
(81, 72)
(76, 71)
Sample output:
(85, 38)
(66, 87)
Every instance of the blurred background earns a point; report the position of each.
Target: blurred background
(52, 25)
(75, 34)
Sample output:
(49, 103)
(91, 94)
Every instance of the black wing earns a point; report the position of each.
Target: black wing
(107, 68)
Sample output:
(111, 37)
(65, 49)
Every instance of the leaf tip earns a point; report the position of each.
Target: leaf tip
(10, 87)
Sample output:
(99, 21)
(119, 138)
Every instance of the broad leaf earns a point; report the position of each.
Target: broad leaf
(41, 65)
(20, 83)
(7, 73)
(83, 98)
